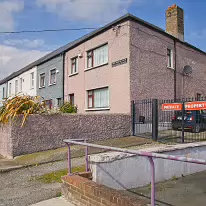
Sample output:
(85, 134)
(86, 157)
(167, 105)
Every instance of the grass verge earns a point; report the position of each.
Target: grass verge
(55, 177)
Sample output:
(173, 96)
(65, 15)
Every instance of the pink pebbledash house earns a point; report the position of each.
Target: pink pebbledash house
(130, 59)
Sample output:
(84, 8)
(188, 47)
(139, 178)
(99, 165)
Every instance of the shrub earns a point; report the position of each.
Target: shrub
(20, 105)
(67, 107)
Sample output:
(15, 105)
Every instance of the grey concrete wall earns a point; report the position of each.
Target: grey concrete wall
(45, 132)
(124, 171)
(51, 91)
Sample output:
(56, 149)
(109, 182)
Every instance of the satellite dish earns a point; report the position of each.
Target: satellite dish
(187, 69)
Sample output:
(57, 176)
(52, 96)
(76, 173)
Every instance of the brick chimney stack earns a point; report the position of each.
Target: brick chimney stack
(175, 21)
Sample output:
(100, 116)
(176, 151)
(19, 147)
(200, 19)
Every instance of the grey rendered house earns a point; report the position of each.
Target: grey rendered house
(50, 81)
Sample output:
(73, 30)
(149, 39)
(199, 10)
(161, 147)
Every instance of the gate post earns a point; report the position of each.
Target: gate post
(133, 117)
(155, 119)
(183, 122)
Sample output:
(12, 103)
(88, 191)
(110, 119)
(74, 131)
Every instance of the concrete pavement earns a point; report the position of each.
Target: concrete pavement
(59, 201)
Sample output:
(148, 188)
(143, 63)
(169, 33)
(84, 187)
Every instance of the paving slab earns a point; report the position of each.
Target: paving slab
(185, 191)
(54, 202)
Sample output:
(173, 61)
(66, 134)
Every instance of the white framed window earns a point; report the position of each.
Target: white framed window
(3, 93)
(32, 80)
(52, 77)
(71, 99)
(42, 80)
(74, 65)
(59, 102)
(16, 86)
(10, 85)
(21, 84)
(98, 98)
(98, 56)
(169, 58)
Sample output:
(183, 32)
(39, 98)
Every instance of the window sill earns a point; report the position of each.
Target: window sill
(70, 75)
(31, 88)
(96, 67)
(51, 84)
(41, 87)
(97, 109)
(171, 68)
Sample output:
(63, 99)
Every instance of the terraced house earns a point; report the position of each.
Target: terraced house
(128, 59)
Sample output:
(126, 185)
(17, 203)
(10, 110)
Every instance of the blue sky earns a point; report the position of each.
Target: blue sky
(17, 50)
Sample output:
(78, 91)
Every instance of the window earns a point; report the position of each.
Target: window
(199, 96)
(42, 80)
(48, 103)
(71, 99)
(16, 86)
(21, 84)
(98, 98)
(52, 76)
(59, 102)
(97, 57)
(74, 65)
(32, 80)
(10, 89)
(3, 93)
(169, 58)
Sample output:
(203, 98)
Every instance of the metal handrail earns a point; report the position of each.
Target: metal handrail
(149, 155)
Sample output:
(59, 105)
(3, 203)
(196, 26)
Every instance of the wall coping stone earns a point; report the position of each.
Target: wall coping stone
(113, 156)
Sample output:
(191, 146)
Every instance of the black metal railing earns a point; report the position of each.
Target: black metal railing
(179, 123)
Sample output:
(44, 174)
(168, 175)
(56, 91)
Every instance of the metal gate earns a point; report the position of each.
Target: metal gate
(183, 120)
(143, 118)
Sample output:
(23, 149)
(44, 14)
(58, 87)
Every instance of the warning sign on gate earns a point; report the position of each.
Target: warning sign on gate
(172, 107)
(195, 106)
(188, 106)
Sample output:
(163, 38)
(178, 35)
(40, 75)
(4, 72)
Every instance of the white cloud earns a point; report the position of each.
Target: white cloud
(87, 11)
(13, 59)
(36, 43)
(7, 10)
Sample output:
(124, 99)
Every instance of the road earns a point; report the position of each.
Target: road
(20, 188)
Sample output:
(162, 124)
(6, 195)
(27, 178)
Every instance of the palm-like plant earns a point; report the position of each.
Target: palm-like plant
(20, 105)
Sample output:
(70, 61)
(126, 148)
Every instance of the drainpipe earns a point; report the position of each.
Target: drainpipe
(175, 71)
(63, 54)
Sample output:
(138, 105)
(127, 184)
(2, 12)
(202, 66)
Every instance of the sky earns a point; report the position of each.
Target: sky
(18, 50)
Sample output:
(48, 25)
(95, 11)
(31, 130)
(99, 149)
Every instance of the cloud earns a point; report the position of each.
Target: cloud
(26, 43)
(91, 11)
(7, 10)
(13, 59)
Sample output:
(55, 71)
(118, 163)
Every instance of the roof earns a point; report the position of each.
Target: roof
(94, 33)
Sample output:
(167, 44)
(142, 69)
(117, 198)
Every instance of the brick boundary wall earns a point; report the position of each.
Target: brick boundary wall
(83, 192)
(46, 132)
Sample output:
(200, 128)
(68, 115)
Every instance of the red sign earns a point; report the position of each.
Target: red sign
(172, 107)
(195, 105)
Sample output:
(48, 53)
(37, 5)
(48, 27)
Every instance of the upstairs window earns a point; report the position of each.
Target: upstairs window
(97, 57)
(32, 80)
(3, 93)
(74, 66)
(21, 84)
(10, 89)
(42, 80)
(52, 76)
(98, 98)
(169, 58)
(16, 86)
